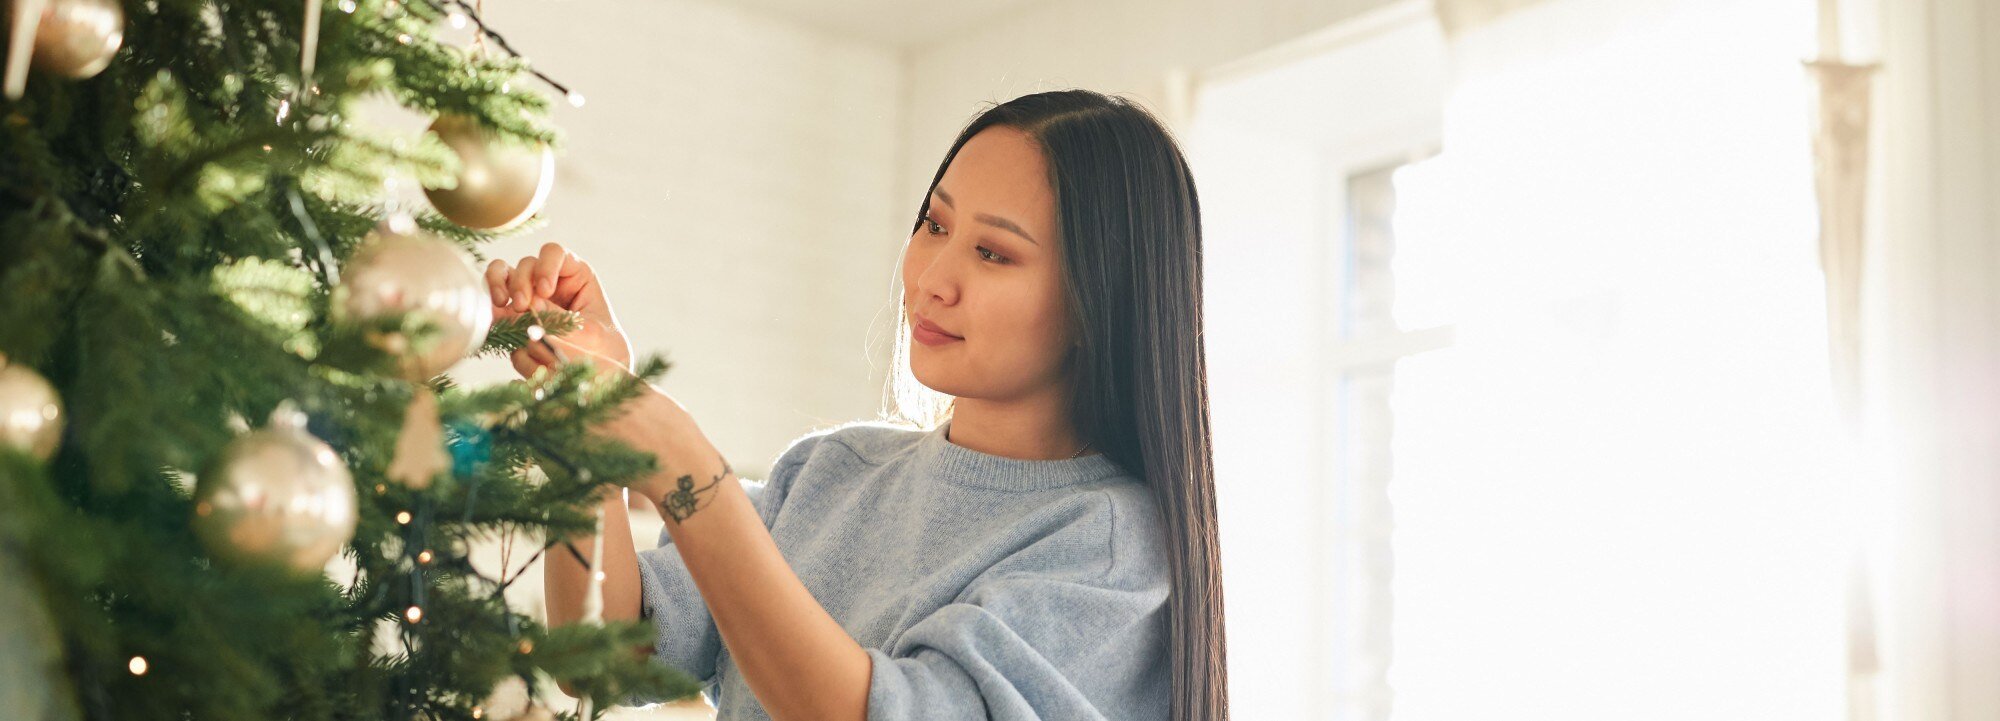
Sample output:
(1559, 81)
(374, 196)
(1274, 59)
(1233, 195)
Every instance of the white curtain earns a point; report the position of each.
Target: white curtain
(1930, 347)
(1621, 492)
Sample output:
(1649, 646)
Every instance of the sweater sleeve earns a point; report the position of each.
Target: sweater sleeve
(685, 636)
(1050, 633)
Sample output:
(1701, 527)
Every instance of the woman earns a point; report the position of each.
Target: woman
(1041, 544)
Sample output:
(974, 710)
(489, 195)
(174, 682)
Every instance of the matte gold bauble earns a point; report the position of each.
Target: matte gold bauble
(500, 184)
(76, 38)
(276, 496)
(31, 412)
(403, 269)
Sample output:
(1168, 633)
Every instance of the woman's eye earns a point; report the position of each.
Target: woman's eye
(935, 228)
(983, 252)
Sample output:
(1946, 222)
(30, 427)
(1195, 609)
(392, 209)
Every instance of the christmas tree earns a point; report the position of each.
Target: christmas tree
(225, 350)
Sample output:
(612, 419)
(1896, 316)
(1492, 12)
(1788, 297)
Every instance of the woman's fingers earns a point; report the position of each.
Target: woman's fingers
(518, 283)
(534, 355)
(540, 353)
(571, 281)
(551, 262)
(531, 356)
(496, 281)
(523, 364)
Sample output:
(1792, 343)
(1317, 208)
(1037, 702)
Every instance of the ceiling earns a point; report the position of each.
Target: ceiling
(890, 22)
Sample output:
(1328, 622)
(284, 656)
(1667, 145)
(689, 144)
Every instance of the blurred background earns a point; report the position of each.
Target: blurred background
(1571, 359)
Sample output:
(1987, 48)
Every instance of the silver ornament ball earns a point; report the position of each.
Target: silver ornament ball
(31, 413)
(402, 269)
(500, 184)
(276, 496)
(76, 38)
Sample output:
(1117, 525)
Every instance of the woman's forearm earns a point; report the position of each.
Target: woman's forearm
(794, 656)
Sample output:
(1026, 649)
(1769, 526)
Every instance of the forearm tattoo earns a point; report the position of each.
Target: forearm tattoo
(686, 498)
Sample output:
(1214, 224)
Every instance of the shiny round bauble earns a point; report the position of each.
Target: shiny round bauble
(500, 184)
(76, 38)
(31, 413)
(276, 496)
(403, 269)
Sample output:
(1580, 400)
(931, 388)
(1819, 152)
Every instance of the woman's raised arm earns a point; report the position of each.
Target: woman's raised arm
(795, 657)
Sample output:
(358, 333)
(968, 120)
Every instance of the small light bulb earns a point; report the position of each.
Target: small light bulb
(535, 333)
(137, 665)
(575, 99)
(479, 712)
(457, 19)
(600, 576)
(347, 6)
(424, 557)
(414, 613)
(527, 646)
(381, 488)
(403, 518)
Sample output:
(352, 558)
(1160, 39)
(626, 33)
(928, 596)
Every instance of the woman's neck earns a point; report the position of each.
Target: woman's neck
(1026, 430)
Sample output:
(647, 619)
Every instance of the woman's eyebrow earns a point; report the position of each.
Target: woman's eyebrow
(993, 220)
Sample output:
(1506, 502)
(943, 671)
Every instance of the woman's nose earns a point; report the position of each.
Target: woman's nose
(940, 276)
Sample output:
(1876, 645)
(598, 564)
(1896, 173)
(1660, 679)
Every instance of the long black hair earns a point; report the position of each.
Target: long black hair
(1131, 269)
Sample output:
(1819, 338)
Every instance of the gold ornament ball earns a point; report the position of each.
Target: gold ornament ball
(402, 269)
(76, 38)
(31, 413)
(500, 184)
(276, 495)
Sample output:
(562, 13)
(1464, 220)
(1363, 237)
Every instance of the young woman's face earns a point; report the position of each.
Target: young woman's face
(984, 267)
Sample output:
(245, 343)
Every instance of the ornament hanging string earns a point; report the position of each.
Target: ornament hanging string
(329, 271)
(308, 50)
(479, 39)
(21, 44)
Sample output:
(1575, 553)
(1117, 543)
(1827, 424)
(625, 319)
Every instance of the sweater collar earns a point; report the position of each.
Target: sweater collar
(964, 466)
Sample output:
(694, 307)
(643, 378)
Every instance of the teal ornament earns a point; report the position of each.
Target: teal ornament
(471, 446)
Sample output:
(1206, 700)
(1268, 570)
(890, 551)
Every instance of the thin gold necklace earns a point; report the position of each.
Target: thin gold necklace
(1080, 451)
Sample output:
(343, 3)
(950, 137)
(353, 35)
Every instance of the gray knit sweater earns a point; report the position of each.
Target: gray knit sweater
(981, 586)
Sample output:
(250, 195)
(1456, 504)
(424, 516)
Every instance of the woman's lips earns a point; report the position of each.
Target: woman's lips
(928, 334)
